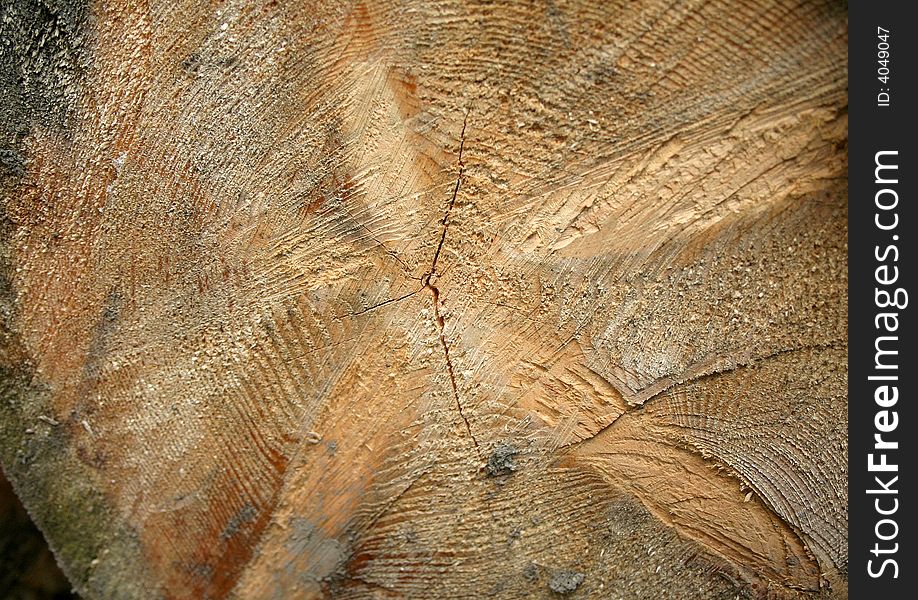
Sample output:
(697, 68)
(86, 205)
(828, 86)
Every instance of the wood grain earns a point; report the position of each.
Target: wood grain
(440, 299)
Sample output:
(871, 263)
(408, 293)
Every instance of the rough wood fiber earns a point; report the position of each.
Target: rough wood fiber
(428, 299)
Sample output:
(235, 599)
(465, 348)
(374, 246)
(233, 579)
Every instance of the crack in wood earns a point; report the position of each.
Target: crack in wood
(449, 365)
(379, 304)
(426, 281)
(452, 202)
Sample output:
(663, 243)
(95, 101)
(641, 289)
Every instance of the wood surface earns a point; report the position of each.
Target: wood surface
(428, 299)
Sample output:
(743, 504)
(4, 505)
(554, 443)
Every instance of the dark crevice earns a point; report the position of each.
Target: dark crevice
(445, 222)
(378, 305)
(27, 566)
(427, 280)
(449, 365)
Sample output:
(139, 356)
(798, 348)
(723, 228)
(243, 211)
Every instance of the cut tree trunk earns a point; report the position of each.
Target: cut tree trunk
(428, 299)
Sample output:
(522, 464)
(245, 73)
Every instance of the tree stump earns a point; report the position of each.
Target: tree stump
(441, 299)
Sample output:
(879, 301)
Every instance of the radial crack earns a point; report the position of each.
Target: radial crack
(426, 282)
(378, 305)
(449, 363)
(452, 201)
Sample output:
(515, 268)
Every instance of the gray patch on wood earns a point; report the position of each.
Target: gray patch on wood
(12, 162)
(320, 559)
(501, 461)
(565, 582)
(242, 518)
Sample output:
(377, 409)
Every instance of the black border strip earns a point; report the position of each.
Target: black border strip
(880, 263)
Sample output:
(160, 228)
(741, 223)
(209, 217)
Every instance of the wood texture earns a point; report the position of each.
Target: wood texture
(428, 299)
